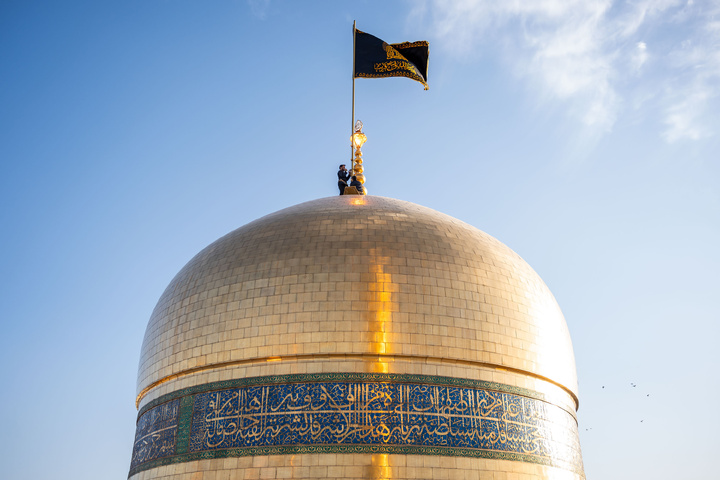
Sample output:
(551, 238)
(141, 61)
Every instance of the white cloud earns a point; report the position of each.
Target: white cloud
(692, 94)
(683, 119)
(567, 58)
(594, 55)
(639, 56)
(692, 112)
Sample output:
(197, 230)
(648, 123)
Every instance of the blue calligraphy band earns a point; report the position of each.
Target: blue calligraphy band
(355, 413)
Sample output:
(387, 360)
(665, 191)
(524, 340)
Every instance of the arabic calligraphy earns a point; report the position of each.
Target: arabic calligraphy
(354, 415)
(394, 65)
(376, 413)
(391, 52)
(155, 433)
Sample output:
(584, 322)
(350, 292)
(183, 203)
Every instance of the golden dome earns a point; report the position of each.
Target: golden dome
(363, 276)
(354, 294)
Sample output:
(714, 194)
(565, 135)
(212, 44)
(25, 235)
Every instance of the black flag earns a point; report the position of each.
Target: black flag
(377, 59)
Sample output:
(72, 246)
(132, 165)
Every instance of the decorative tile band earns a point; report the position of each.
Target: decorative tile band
(346, 377)
(357, 415)
(155, 435)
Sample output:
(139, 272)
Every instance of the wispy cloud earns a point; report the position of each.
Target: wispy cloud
(639, 56)
(693, 89)
(683, 118)
(594, 56)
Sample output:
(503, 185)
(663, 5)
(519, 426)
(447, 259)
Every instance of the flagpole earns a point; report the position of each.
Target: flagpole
(352, 124)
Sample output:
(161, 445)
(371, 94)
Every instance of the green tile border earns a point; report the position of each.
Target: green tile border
(184, 424)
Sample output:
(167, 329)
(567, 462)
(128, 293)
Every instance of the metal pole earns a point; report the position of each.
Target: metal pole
(352, 125)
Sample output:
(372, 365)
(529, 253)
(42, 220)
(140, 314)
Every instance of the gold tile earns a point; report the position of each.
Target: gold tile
(386, 286)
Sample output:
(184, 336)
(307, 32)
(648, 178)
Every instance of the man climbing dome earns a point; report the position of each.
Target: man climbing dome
(343, 177)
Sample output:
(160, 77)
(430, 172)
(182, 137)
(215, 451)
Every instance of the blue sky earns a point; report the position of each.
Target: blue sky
(583, 134)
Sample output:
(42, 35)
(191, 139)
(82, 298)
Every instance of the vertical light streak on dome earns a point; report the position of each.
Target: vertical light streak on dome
(380, 467)
(380, 308)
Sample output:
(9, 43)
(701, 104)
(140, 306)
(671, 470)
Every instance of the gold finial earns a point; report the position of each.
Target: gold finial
(358, 139)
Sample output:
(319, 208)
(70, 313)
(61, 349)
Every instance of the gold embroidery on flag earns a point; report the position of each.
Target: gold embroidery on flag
(392, 53)
(393, 65)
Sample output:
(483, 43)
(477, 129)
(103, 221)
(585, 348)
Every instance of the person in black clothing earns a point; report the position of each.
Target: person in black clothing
(357, 184)
(343, 177)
